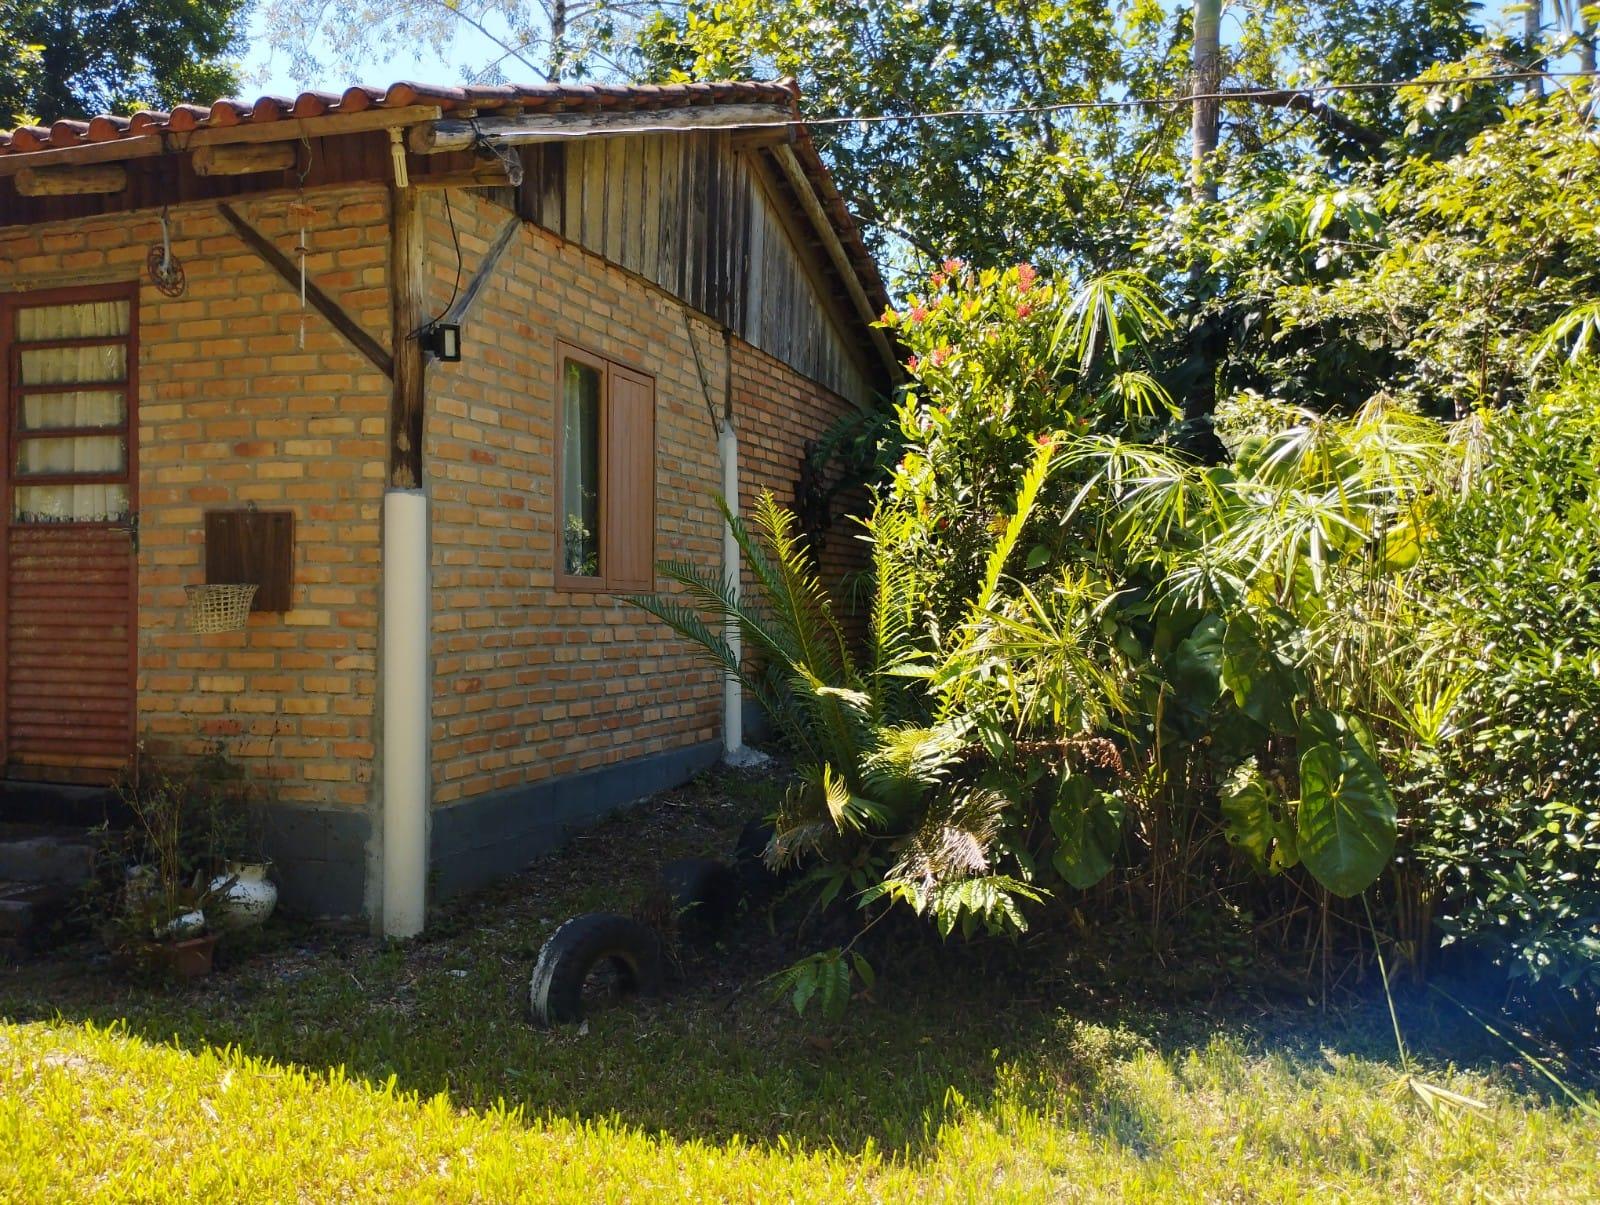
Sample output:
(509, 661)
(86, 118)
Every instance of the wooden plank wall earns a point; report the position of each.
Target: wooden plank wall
(691, 213)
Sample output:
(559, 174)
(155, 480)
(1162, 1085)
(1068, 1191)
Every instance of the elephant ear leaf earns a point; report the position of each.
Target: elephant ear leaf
(1088, 827)
(1346, 822)
(1195, 668)
(1250, 808)
(1264, 680)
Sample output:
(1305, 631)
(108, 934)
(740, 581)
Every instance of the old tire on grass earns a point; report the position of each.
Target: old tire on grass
(603, 941)
(753, 840)
(704, 894)
(749, 855)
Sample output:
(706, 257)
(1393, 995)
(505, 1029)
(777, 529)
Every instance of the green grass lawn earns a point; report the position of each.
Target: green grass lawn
(332, 1067)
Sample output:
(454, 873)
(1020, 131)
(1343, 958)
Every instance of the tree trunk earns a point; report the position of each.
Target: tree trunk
(1586, 35)
(558, 40)
(1532, 19)
(1204, 81)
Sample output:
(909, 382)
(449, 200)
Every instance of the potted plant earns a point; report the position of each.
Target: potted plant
(240, 894)
(189, 868)
(159, 915)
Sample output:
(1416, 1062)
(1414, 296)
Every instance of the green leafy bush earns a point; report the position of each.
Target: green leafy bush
(1513, 836)
(1344, 662)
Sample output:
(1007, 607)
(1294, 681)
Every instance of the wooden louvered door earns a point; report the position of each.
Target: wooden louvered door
(67, 633)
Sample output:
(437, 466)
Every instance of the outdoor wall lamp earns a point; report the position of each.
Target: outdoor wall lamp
(443, 339)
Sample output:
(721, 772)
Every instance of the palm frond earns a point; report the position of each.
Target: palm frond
(690, 625)
(1109, 314)
(953, 841)
(1033, 480)
(908, 762)
(715, 595)
(794, 590)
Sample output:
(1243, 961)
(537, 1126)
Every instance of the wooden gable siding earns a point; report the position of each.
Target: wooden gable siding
(694, 215)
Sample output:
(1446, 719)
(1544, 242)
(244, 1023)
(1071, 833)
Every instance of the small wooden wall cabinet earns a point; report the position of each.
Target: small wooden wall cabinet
(253, 546)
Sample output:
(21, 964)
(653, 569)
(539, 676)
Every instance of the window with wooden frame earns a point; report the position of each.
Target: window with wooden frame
(605, 474)
(71, 365)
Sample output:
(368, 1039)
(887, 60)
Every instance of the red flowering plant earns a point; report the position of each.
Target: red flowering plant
(1001, 360)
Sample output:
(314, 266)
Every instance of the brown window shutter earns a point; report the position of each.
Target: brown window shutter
(630, 478)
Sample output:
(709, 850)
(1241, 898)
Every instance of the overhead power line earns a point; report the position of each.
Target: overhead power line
(1066, 106)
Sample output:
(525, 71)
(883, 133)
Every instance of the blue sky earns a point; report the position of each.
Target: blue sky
(266, 73)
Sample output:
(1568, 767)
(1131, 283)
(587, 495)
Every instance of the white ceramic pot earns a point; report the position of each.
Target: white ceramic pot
(185, 924)
(247, 900)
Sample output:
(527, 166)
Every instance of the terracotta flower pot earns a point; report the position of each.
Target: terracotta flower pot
(186, 959)
(190, 958)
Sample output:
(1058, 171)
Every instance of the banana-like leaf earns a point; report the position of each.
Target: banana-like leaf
(1265, 683)
(1346, 821)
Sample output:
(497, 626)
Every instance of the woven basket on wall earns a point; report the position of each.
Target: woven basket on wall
(219, 608)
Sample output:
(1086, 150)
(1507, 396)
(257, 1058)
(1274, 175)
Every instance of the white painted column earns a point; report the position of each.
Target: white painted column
(732, 691)
(404, 671)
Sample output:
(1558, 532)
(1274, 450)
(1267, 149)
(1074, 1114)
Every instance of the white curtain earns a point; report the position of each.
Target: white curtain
(98, 453)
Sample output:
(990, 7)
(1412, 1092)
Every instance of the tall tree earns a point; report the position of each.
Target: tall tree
(1069, 187)
(19, 69)
(1532, 27)
(79, 57)
(973, 183)
(1205, 79)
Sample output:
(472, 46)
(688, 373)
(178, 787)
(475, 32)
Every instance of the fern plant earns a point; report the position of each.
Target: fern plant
(909, 754)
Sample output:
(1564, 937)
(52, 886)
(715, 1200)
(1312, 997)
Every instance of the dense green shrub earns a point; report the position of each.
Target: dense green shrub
(1512, 836)
(1431, 279)
(1351, 651)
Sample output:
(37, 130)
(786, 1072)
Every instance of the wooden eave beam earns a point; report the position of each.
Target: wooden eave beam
(320, 301)
(451, 134)
(245, 158)
(814, 265)
(160, 142)
(101, 178)
(490, 174)
(812, 205)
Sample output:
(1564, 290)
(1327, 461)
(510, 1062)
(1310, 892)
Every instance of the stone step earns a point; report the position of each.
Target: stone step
(34, 915)
(31, 855)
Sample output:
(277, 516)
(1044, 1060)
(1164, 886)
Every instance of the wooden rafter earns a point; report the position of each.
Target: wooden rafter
(72, 181)
(801, 184)
(320, 301)
(462, 309)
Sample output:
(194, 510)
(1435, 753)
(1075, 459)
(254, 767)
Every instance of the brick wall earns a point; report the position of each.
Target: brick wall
(776, 412)
(533, 682)
(530, 681)
(233, 411)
